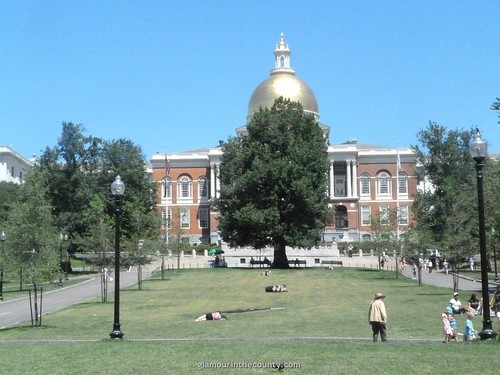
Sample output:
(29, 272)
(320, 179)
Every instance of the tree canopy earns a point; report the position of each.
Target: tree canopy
(446, 214)
(496, 107)
(81, 170)
(274, 181)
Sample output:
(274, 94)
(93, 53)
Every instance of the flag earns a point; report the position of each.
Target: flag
(167, 165)
(167, 170)
(398, 163)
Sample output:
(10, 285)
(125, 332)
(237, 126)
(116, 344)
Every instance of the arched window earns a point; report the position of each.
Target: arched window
(282, 61)
(166, 191)
(364, 181)
(185, 188)
(383, 184)
(202, 188)
(402, 183)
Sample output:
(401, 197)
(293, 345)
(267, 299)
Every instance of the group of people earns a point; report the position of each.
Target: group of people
(377, 316)
(450, 326)
(456, 307)
(471, 309)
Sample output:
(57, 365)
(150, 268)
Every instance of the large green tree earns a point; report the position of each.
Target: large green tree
(274, 182)
(81, 169)
(33, 240)
(8, 196)
(446, 214)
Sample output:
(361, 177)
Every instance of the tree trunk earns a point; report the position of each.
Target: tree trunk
(280, 258)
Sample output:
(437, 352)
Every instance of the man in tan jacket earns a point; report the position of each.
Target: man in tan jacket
(377, 317)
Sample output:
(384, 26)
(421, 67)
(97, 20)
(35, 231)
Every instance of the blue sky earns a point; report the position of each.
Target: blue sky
(178, 75)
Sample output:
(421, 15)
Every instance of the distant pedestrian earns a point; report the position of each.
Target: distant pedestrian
(447, 330)
(495, 307)
(497, 291)
(456, 305)
(471, 264)
(350, 249)
(474, 304)
(453, 323)
(429, 265)
(469, 333)
(377, 317)
(445, 266)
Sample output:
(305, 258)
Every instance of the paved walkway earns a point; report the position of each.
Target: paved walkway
(439, 278)
(16, 311)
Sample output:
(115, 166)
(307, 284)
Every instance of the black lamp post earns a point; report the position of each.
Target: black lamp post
(63, 238)
(478, 149)
(117, 189)
(3, 237)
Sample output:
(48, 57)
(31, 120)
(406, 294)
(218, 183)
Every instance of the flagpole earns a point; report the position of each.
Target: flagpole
(398, 168)
(167, 168)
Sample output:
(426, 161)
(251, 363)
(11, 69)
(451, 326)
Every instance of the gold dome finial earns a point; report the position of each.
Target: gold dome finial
(283, 82)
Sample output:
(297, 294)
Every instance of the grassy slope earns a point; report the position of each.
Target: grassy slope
(321, 304)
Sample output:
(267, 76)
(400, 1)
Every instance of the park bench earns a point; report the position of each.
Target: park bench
(297, 262)
(332, 262)
(261, 263)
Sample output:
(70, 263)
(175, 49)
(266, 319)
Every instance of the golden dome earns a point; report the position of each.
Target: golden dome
(283, 82)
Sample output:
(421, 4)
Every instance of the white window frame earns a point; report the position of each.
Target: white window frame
(364, 185)
(166, 182)
(184, 218)
(166, 218)
(203, 188)
(403, 215)
(384, 184)
(402, 184)
(384, 215)
(203, 217)
(366, 215)
(184, 189)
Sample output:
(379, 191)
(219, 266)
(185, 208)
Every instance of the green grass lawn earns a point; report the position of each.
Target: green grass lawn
(320, 325)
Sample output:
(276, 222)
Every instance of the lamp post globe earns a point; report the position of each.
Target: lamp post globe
(117, 190)
(478, 149)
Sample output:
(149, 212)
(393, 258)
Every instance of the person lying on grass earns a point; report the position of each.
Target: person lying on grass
(211, 316)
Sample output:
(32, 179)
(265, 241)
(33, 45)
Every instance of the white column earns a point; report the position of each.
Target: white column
(354, 179)
(212, 181)
(332, 181)
(349, 182)
(217, 180)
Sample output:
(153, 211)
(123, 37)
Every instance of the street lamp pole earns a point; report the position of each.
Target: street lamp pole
(63, 238)
(117, 190)
(493, 232)
(478, 149)
(3, 237)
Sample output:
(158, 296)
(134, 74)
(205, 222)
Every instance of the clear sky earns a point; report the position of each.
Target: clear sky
(178, 75)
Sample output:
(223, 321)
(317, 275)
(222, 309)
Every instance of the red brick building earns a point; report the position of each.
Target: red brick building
(365, 180)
